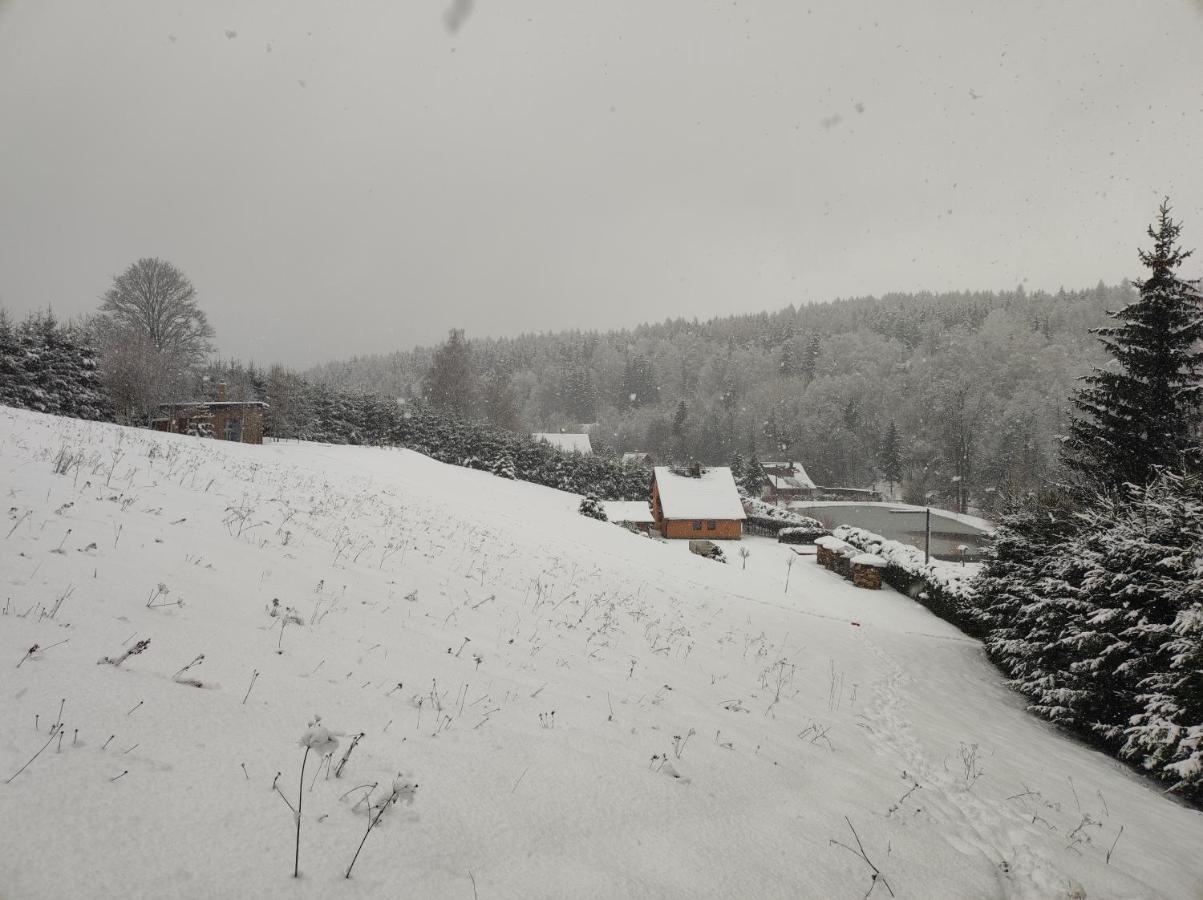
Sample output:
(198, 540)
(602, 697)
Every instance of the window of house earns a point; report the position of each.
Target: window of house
(710, 526)
(233, 429)
(697, 526)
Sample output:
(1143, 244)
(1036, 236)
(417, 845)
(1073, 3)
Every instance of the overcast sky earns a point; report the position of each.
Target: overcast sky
(340, 178)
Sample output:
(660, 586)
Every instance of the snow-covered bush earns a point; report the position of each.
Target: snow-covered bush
(592, 508)
(765, 518)
(802, 534)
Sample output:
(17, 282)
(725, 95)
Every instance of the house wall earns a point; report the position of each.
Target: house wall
(252, 422)
(724, 529)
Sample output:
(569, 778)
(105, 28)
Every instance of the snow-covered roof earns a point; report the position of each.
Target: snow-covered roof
(832, 543)
(796, 480)
(636, 456)
(710, 496)
(634, 511)
(222, 403)
(569, 443)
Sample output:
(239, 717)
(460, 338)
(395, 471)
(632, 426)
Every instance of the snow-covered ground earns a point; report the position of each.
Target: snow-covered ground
(587, 712)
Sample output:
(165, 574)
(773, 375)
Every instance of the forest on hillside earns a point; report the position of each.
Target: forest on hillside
(976, 386)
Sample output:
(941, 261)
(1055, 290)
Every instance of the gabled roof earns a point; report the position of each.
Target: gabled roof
(797, 479)
(710, 496)
(569, 443)
(634, 511)
(221, 404)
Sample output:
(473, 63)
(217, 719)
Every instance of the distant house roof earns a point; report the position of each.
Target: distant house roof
(633, 511)
(569, 443)
(711, 496)
(637, 456)
(788, 476)
(224, 404)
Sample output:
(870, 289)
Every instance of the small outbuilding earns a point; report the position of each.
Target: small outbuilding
(633, 514)
(225, 420)
(697, 503)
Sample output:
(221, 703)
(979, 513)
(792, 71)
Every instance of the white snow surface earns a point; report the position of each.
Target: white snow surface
(713, 731)
(569, 443)
(712, 495)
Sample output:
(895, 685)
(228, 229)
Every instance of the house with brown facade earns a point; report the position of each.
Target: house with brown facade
(223, 419)
(698, 503)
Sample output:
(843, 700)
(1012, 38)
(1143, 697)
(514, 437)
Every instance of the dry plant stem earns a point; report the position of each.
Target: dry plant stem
(860, 851)
(53, 733)
(1113, 843)
(372, 823)
(296, 867)
(254, 677)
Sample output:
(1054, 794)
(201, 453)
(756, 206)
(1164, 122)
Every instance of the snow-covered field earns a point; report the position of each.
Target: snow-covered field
(587, 713)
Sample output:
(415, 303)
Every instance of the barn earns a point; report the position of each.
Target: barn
(698, 503)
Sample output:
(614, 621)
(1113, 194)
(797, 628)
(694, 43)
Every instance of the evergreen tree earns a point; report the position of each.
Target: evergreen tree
(449, 382)
(1030, 597)
(810, 358)
(592, 508)
(890, 456)
(737, 467)
(680, 420)
(1143, 414)
(1141, 648)
(752, 484)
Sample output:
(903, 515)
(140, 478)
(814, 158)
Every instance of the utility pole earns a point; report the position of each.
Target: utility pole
(927, 538)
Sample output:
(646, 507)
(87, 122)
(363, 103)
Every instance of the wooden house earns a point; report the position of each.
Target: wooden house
(225, 420)
(786, 482)
(700, 504)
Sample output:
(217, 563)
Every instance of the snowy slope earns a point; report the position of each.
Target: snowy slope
(810, 706)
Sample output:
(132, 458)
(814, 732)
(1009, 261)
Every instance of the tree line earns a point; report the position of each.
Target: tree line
(956, 399)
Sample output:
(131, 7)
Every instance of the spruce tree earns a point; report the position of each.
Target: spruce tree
(737, 466)
(592, 508)
(753, 478)
(1141, 648)
(890, 456)
(450, 383)
(1142, 413)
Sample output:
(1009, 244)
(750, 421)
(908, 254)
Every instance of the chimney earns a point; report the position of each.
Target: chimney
(221, 392)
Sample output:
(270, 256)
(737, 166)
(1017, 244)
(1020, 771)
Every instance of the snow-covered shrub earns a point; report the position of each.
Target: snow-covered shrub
(592, 508)
(765, 518)
(802, 534)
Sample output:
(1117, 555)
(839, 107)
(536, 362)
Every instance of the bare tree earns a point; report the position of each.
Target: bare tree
(154, 302)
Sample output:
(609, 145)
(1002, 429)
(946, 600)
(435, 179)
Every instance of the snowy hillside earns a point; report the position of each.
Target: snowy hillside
(586, 712)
